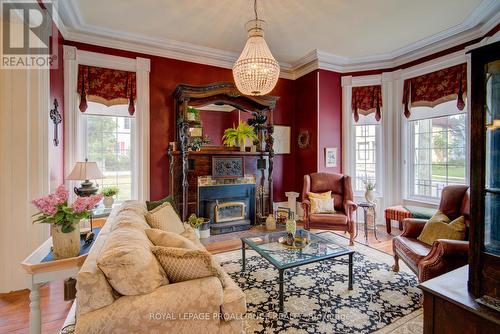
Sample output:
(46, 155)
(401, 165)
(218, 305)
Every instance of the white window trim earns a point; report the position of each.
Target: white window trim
(73, 146)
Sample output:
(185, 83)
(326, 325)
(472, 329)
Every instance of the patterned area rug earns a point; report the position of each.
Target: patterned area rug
(317, 299)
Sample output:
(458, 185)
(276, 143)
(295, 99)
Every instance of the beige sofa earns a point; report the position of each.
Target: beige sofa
(196, 306)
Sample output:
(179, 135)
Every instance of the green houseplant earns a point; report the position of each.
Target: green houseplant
(200, 225)
(108, 193)
(238, 136)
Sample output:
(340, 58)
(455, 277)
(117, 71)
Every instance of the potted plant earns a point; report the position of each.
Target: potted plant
(65, 219)
(108, 193)
(192, 114)
(200, 225)
(369, 191)
(197, 142)
(238, 136)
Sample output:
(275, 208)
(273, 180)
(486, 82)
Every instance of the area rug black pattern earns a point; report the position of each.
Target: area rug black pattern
(316, 296)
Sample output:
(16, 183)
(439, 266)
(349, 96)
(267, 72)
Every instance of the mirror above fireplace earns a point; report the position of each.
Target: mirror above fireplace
(206, 111)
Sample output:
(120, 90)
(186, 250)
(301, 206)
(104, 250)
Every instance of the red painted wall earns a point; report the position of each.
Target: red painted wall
(330, 118)
(56, 153)
(215, 122)
(165, 75)
(306, 119)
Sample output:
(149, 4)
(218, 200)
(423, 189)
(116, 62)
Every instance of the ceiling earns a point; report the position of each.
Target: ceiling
(345, 29)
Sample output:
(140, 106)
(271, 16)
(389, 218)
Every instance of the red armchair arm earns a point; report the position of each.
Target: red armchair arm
(350, 207)
(412, 227)
(445, 255)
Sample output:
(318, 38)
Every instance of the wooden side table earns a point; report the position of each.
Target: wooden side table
(366, 207)
(39, 272)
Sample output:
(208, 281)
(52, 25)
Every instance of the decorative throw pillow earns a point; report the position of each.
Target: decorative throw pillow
(128, 264)
(169, 239)
(185, 264)
(322, 205)
(321, 202)
(440, 227)
(151, 205)
(165, 218)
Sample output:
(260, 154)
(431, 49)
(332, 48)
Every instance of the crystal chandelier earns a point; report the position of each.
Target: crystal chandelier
(256, 71)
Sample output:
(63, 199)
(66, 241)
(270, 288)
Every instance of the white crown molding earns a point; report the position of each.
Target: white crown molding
(484, 18)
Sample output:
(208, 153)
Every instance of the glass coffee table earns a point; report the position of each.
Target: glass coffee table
(283, 257)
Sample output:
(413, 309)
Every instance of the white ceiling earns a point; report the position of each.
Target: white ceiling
(344, 29)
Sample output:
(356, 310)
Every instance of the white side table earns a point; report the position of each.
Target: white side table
(39, 272)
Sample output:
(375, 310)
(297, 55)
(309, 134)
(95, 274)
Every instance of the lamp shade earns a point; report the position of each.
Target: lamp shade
(85, 171)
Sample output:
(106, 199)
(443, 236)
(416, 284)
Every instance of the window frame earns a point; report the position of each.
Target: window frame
(135, 156)
(378, 157)
(409, 148)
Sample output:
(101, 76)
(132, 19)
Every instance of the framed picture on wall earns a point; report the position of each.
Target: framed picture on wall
(281, 137)
(331, 157)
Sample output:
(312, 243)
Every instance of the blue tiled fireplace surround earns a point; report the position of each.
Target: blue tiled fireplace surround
(208, 195)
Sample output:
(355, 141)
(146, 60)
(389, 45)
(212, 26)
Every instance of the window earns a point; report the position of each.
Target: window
(109, 137)
(437, 152)
(367, 134)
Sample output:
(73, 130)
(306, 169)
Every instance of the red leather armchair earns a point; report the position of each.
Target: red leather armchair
(340, 186)
(444, 255)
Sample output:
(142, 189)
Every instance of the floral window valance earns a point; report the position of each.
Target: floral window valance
(106, 86)
(431, 89)
(366, 100)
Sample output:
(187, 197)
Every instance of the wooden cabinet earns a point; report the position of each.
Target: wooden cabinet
(450, 308)
(484, 254)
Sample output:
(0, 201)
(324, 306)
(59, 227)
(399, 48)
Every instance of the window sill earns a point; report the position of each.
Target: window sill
(421, 201)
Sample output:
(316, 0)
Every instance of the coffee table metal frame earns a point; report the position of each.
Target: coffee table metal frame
(282, 267)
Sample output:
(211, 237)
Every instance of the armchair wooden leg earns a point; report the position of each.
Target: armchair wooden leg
(351, 238)
(395, 267)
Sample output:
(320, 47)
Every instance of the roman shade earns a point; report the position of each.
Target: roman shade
(107, 86)
(433, 88)
(367, 100)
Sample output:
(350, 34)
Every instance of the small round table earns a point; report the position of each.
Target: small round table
(367, 206)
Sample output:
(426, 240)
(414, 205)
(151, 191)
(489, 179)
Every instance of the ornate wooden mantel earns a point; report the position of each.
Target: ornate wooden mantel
(186, 96)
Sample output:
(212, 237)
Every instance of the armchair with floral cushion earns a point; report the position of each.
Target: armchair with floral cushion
(341, 192)
(444, 255)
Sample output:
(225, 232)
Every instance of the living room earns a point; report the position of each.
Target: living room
(256, 166)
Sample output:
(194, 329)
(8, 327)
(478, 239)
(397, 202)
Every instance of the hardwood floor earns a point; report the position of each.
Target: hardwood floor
(14, 307)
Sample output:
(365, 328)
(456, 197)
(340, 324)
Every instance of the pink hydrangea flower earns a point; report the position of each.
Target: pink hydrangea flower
(62, 193)
(82, 204)
(45, 205)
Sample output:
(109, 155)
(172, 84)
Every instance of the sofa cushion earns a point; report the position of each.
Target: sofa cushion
(129, 265)
(94, 291)
(151, 205)
(327, 218)
(186, 264)
(191, 235)
(169, 239)
(165, 218)
(411, 249)
(440, 227)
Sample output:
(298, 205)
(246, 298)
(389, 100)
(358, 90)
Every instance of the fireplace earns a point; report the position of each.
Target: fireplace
(230, 207)
(229, 211)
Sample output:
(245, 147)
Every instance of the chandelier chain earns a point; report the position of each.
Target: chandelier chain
(255, 9)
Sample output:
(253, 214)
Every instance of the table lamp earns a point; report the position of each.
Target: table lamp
(85, 171)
